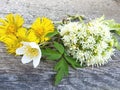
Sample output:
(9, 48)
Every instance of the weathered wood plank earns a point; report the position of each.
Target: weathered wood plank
(16, 76)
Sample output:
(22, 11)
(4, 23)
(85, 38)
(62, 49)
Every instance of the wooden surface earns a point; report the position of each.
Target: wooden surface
(16, 76)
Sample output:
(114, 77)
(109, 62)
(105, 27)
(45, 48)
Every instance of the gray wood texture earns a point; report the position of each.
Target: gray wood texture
(16, 76)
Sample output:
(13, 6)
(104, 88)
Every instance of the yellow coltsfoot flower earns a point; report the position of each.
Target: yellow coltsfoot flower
(10, 24)
(41, 27)
(26, 35)
(11, 43)
(31, 37)
(30, 51)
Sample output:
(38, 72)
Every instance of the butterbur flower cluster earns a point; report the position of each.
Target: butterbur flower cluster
(89, 43)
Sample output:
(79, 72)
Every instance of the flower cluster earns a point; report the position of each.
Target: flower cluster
(17, 37)
(73, 42)
(90, 43)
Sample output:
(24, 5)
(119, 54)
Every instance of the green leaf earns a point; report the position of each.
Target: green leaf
(118, 47)
(54, 56)
(74, 17)
(51, 54)
(59, 47)
(51, 34)
(72, 61)
(116, 43)
(62, 70)
(117, 32)
(113, 26)
(116, 27)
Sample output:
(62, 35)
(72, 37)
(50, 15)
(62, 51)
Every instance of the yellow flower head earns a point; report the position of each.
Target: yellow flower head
(12, 32)
(11, 43)
(26, 35)
(10, 24)
(31, 37)
(41, 27)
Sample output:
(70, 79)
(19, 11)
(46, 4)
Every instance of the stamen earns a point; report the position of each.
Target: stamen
(31, 52)
(11, 29)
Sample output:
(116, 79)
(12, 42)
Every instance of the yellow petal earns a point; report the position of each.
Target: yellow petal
(19, 20)
(2, 27)
(36, 24)
(21, 33)
(11, 43)
(2, 32)
(32, 37)
(10, 18)
(3, 22)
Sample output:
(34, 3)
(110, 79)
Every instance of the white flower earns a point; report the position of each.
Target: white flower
(30, 51)
(89, 43)
(68, 28)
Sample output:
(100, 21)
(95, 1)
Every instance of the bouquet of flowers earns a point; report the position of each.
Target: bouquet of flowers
(73, 42)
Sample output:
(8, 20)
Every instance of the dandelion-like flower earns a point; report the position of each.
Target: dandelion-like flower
(26, 35)
(10, 25)
(30, 51)
(90, 43)
(12, 43)
(41, 27)
(8, 31)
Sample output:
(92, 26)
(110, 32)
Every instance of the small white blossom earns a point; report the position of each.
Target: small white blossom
(30, 51)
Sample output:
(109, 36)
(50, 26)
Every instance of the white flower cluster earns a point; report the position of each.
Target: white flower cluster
(90, 43)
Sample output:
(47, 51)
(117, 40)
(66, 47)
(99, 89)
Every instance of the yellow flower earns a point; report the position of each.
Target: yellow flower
(11, 43)
(21, 34)
(31, 37)
(12, 33)
(26, 35)
(10, 25)
(41, 27)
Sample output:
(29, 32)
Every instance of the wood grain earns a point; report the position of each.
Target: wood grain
(16, 76)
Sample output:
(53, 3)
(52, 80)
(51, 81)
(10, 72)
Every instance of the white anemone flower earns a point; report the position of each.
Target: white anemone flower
(30, 51)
